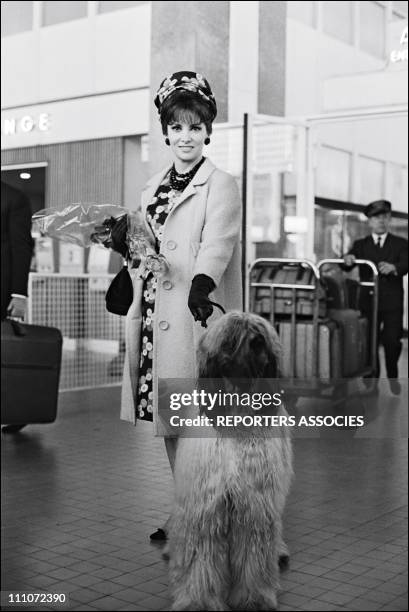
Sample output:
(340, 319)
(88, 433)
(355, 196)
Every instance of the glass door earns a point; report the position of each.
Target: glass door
(277, 198)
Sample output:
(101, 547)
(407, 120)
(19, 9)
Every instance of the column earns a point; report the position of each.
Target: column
(187, 36)
(272, 66)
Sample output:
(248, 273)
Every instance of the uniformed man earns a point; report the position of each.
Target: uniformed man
(390, 254)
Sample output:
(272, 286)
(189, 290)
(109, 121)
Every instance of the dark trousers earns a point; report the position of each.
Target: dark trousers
(390, 332)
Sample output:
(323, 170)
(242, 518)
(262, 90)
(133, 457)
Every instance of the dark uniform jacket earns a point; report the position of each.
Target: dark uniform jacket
(16, 244)
(394, 251)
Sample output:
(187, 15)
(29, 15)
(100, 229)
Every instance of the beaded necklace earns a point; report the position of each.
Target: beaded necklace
(179, 181)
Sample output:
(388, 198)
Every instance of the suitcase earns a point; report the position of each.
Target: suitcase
(283, 298)
(337, 294)
(349, 321)
(353, 288)
(30, 371)
(329, 350)
(341, 292)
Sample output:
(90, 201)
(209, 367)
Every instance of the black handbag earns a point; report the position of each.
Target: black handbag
(120, 293)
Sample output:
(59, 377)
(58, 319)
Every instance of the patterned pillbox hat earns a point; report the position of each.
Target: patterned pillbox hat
(190, 81)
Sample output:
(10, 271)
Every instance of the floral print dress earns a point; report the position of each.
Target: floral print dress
(157, 211)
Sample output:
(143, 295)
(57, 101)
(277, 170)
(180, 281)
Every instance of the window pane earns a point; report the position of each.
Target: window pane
(397, 186)
(16, 17)
(338, 20)
(57, 12)
(399, 227)
(355, 227)
(397, 16)
(371, 179)
(330, 237)
(107, 7)
(402, 7)
(302, 11)
(333, 174)
(372, 28)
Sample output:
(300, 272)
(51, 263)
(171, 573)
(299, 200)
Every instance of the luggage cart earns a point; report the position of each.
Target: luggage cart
(315, 385)
(375, 292)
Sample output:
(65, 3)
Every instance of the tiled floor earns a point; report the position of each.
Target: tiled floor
(81, 496)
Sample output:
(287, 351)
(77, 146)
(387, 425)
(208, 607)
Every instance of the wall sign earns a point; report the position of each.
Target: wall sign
(400, 55)
(77, 119)
(26, 124)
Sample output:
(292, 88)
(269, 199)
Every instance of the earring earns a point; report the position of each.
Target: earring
(207, 141)
(167, 141)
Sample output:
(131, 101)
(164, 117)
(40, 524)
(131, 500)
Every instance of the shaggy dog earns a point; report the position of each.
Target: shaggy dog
(225, 537)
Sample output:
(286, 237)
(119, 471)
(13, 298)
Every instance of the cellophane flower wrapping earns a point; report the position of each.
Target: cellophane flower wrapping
(86, 224)
(81, 223)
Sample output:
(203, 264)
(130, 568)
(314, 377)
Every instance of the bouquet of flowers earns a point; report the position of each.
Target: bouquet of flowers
(140, 246)
(87, 224)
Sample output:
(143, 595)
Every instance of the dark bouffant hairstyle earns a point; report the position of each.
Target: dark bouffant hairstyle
(185, 106)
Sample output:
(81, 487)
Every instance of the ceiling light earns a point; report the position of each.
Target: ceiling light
(25, 176)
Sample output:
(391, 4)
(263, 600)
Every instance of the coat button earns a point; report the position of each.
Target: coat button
(171, 245)
(163, 325)
(167, 284)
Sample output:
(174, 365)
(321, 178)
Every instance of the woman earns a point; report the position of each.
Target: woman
(193, 213)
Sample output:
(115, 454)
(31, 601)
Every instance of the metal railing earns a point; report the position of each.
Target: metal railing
(93, 338)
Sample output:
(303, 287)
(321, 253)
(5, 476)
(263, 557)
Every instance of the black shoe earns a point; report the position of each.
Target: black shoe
(158, 535)
(12, 428)
(395, 386)
(283, 561)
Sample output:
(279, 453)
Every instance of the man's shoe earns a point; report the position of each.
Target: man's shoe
(12, 428)
(158, 536)
(395, 386)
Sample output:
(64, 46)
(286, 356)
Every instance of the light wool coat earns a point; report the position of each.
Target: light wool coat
(201, 235)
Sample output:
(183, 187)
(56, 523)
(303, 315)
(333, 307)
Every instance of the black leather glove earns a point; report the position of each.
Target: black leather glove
(199, 304)
(118, 236)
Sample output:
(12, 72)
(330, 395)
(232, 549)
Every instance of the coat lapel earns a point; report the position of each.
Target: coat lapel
(148, 194)
(376, 254)
(370, 246)
(151, 187)
(201, 177)
(386, 245)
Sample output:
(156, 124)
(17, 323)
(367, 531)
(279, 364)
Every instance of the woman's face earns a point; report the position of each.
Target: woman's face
(186, 141)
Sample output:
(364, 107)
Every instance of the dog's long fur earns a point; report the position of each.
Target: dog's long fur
(225, 534)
